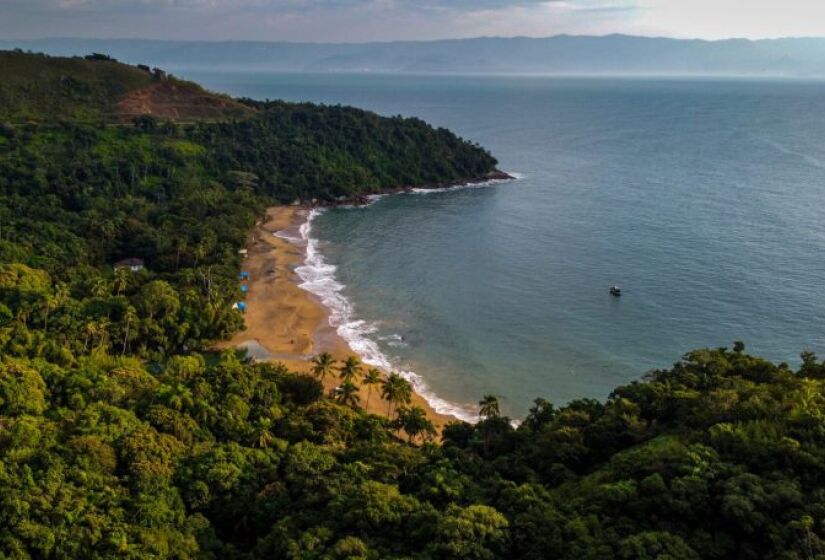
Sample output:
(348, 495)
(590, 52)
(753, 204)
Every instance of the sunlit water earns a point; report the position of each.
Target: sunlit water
(702, 199)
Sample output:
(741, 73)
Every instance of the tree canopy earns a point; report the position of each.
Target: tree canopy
(123, 436)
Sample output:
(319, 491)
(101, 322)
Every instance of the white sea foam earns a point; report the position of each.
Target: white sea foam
(285, 234)
(318, 277)
(371, 199)
(482, 185)
(394, 340)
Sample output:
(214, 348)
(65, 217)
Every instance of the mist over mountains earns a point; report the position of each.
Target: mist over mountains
(562, 54)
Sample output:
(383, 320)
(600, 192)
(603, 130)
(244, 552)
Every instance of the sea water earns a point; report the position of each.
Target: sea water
(702, 199)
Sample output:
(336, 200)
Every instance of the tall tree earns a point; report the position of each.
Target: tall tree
(129, 318)
(54, 301)
(121, 280)
(347, 394)
(396, 390)
(489, 407)
(372, 378)
(350, 370)
(414, 422)
(322, 365)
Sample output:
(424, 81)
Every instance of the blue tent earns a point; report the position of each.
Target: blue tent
(244, 275)
(241, 306)
(244, 288)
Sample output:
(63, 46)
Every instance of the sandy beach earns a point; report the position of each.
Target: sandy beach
(285, 323)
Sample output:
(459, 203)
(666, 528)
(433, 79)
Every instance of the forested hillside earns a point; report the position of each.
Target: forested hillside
(123, 436)
(209, 457)
(77, 198)
(97, 88)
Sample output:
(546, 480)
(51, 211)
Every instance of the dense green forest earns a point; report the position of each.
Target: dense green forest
(720, 457)
(96, 88)
(40, 87)
(123, 436)
(77, 197)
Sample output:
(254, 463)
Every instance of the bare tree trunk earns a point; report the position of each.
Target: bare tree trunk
(125, 339)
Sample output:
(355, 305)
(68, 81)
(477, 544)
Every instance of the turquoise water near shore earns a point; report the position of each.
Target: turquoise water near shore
(702, 199)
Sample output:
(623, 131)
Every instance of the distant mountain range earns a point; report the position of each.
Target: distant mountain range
(563, 54)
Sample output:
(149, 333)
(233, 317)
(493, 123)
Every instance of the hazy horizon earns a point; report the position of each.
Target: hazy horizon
(430, 40)
(558, 55)
(349, 21)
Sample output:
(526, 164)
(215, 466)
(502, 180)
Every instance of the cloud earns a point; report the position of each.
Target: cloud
(290, 5)
(295, 19)
(365, 20)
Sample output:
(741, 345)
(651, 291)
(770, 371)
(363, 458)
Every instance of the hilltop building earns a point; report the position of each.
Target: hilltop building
(133, 264)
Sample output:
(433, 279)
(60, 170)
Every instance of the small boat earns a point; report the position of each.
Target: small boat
(615, 291)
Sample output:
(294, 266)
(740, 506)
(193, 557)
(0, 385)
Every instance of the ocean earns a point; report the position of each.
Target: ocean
(702, 199)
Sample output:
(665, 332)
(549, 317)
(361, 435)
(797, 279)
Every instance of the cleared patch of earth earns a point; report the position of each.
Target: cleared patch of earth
(178, 101)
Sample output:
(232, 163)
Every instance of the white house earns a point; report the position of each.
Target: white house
(133, 264)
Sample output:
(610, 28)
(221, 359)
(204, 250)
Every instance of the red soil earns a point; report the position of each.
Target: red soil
(178, 101)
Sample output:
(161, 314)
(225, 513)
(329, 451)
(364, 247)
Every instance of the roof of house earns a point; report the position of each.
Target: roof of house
(129, 262)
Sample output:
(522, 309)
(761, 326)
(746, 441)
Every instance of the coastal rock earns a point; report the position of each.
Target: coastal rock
(362, 200)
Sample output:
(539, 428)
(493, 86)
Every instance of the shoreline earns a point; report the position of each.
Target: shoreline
(493, 177)
(288, 324)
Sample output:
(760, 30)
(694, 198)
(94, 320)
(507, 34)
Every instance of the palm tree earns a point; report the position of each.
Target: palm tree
(100, 288)
(53, 301)
(347, 394)
(808, 399)
(396, 390)
(121, 281)
(178, 397)
(103, 332)
(489, 410)
(262, 436)
(350, 370)
(90, 330)
(199, 252)
(180, 246)
(414, 421)
(322, 365)
(489, 407)
(129, 317)
(373, 377)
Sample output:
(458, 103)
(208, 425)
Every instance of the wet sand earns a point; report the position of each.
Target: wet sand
(285, 323)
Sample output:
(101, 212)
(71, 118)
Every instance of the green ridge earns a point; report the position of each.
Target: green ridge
(42, 88)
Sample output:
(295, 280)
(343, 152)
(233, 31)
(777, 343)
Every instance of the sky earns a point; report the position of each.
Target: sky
(381, 20)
